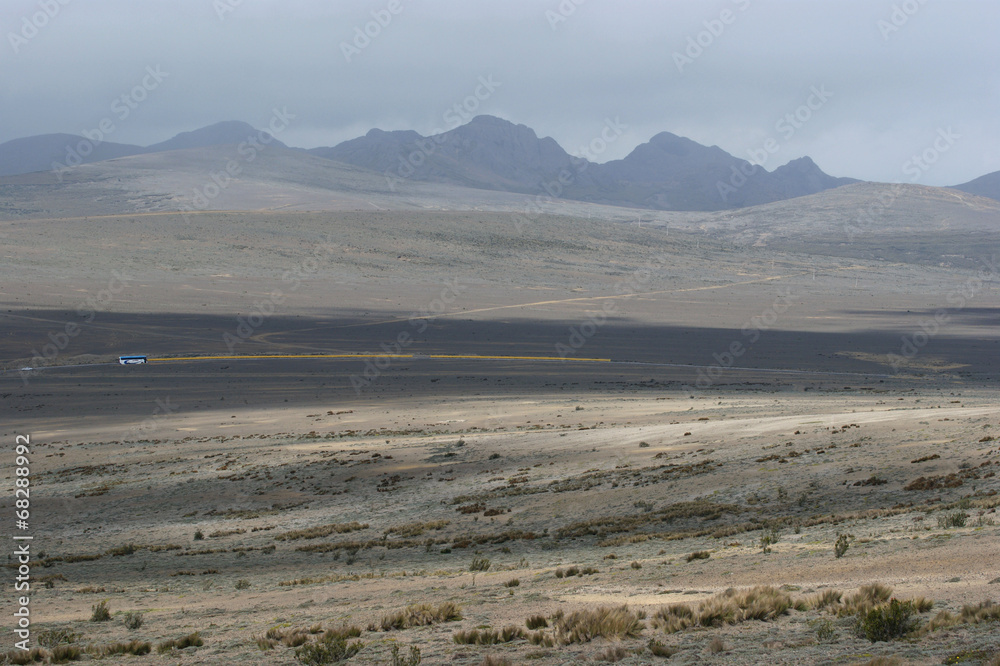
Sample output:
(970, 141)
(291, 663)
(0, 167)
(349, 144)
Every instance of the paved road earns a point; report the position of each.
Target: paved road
(443, 357)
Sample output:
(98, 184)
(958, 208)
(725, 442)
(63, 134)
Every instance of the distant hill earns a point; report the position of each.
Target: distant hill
(984, 186)
(377, 150)
(874, 221)
(46, 152)
(667, 173)
(225, 133)
(487, 153)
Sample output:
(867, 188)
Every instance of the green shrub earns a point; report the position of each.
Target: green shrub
(886, 622)
(100, 612)
(957, 519)
(842, 544)
(412, 660)
(330, 650)
(133, 620)
(53, 637)
(480, 564)
(824, 629)
(768, 539)
(660, 650)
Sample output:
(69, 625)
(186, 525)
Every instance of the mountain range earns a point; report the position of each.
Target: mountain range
(668, 172)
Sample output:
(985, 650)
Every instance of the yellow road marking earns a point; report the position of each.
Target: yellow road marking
(440, 356)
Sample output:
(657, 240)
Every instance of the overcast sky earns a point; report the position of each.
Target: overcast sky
(888, 78)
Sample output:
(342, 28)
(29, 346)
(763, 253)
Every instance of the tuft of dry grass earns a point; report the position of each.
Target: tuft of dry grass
(488, 636)
(34, 655)
(264, 643)
(673, 618)
(63, 653)
(536, 622)
(419, 615)
(823, 599)
(491, 660)
(612, 654)
(698, 555)
(135, 647)
(942, 620)
(762, 602)
(984, 611)
(180, 643)
(410, 530)
(541, 639)
(611, 622)
(866, 598)
(321, 531)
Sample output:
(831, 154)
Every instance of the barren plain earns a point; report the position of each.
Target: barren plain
(347, 426)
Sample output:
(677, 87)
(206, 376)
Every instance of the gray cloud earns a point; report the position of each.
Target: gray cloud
(892, 89)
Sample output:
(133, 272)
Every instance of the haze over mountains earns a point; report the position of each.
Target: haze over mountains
(668, 172)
